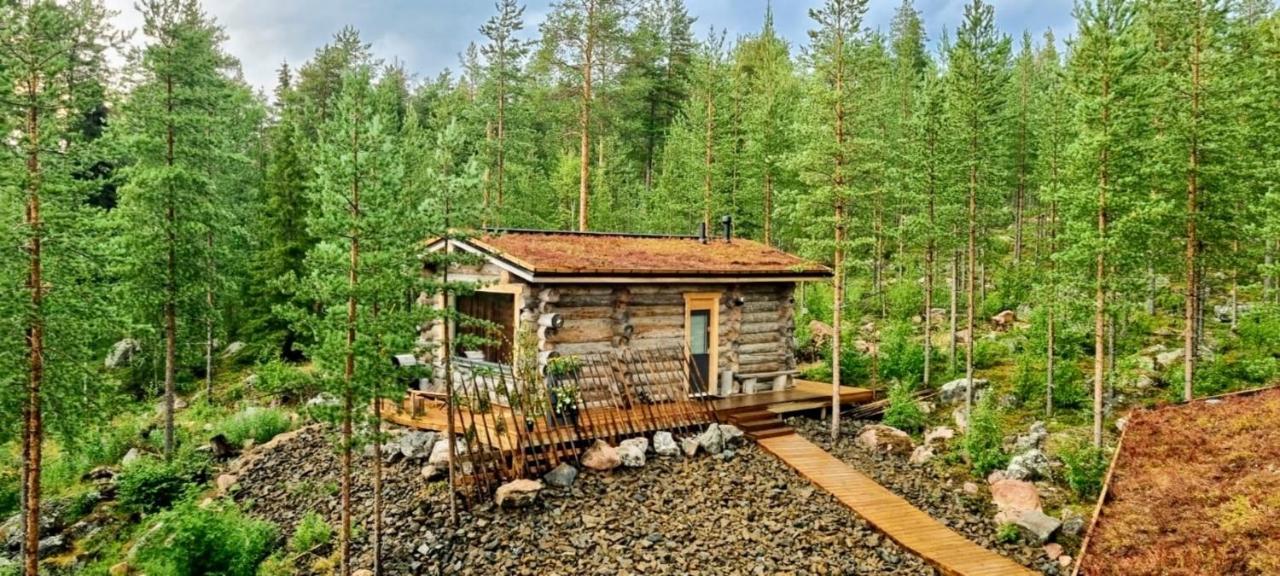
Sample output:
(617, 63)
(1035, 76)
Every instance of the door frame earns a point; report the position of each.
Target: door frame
(709, 301)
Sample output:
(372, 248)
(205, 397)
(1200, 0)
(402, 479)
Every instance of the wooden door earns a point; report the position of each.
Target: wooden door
(702, 340)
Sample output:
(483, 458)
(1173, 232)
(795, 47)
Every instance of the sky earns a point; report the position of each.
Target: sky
(428, 35)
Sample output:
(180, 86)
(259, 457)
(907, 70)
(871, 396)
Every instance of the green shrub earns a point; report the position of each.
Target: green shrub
(904, 300)
(988, 353)
(276, 565)
(983, 441)
(1069, 389)
(257, 424)
(1085, 467)
(214, 540)
(150, 484)
(1008, 534)
(312, 532)
(1259, 330)
(903, 412)
(901, 357)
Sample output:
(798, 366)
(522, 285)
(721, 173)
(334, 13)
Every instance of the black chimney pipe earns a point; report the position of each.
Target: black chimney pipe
(702, 232)
(728, 228)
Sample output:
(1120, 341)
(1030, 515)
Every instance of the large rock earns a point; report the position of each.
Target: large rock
(417, 444)
(561, 476)
(601, 457)
(631, 452)
(440, 451)
(1005, 319)
(689, 446)
(953, 392)
(1165, 360)
(431, 472)
(1033, 439)
(921, 455)
(711, 440)
(732, 434)
(224, 482)
(1029, 465)
(233, 349)
(881, 438)
(939, 436)
(133, 455)
(1013, 498)
(122, 353)
(53, 545)
(1037, 526)
(664, 444)
(517, 493)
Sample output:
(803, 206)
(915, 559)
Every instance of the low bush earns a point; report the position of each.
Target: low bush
(904, 300)
(1008, 534)
(988, 353)
(983, 441)
(903, 412)
(284, 380)
(150, 484)
(312, 532)
(854, 367)
(902, 357)
(1259, 331)
(193, 540)
(257, 424)
(1085, 466)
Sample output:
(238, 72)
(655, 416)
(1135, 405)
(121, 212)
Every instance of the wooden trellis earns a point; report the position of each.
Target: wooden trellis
(514, 427)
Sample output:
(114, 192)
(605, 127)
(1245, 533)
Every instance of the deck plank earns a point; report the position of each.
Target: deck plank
(949, 552)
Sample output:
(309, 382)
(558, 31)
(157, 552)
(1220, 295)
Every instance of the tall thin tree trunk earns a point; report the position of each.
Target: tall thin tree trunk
(377, 467)
(208, 322)
(768, 206)
(1099, 296)
(1051, 348)
(1268, 277)
(171, 282)
(1192, 302)
(349, 368)
(584, 118)
(1235, 281)
(33, 410)
(970, 267)
(838, 180)
(450, 409)
(955, 290)
(708, 154)
(929, 246)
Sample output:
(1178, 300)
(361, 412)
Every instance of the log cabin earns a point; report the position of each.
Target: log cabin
(727, 302)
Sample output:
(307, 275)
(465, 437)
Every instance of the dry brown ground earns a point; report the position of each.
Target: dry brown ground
(1196, 490)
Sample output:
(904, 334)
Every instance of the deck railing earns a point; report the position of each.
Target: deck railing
(511, 426)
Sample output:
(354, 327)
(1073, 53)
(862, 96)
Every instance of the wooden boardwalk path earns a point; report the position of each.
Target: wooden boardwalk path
(949, 552)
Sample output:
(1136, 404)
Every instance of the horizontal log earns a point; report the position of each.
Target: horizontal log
(579, 300)
(581, 348)
(759, 338)
(580, 289)
(644, 311)
(674, 335)
(762, 306)
(651, 321)
(748, 350)
(571, 313)
(657, 299)
(759, 317)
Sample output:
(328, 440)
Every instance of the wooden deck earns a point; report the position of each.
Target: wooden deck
(949, 552)
(803, 395)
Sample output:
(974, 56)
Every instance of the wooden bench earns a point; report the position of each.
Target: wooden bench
(743, 378)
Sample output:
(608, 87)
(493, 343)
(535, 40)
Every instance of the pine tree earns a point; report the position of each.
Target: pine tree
(363, 249)
(53, 68)
(1051, 110)
(578, 37)
(770, 97)
(170, 197)
(503, 54)
(826, 161)
(977, 77)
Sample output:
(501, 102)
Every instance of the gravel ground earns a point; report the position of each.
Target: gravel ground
(748, 515)
(928, 489)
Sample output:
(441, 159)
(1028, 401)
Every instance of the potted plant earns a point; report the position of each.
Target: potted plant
(562, 375)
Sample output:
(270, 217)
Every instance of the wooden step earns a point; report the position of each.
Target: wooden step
(745, 417)
(772, 433)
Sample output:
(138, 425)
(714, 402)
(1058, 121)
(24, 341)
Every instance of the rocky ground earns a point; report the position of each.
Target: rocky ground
(929, 488)
(746, 515)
